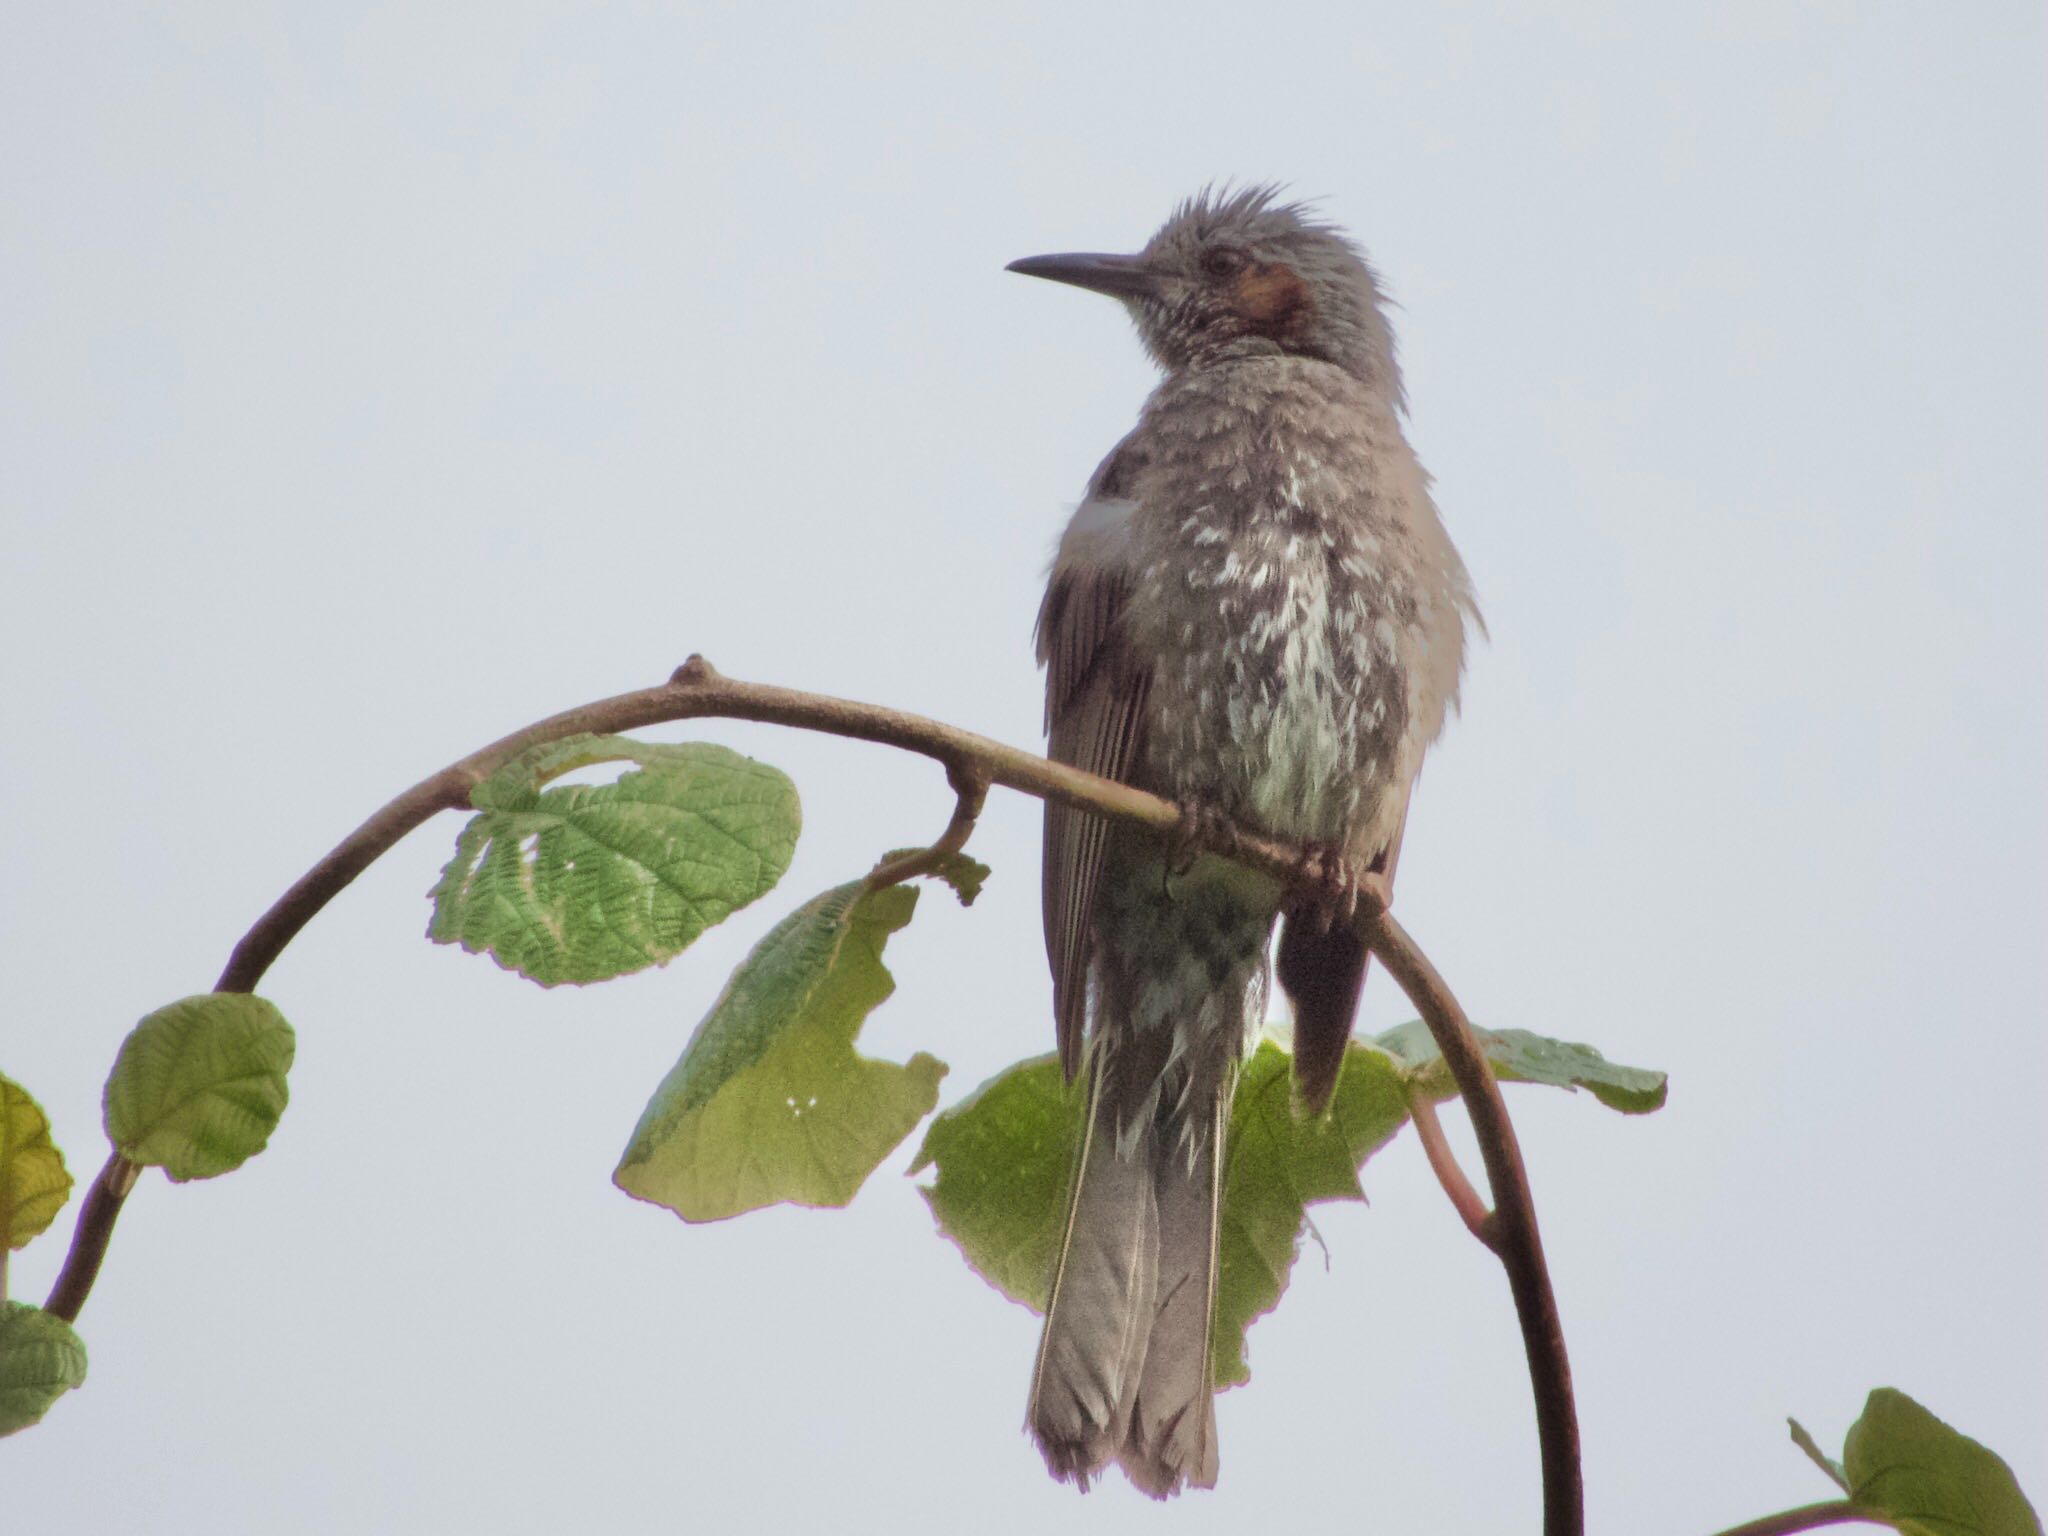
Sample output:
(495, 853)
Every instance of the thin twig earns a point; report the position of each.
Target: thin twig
(696, 691)
(1443, 1162)
(90, 1237)
(970, 790)
(1808, 1517)
(699, 691)
(1518, 1244)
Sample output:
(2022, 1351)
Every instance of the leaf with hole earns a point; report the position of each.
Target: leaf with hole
(584, 882)
(770, 1101)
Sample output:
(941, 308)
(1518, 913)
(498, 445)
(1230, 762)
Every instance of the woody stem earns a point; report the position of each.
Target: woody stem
(698, 691)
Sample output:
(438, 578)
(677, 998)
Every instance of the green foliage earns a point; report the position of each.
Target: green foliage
(41, 1359)
(966, 876)
(1904, 1466)
(1005, 1154)
(33, 1182)
(1280, 1163)
(199, 1085)
(1520, 1057)
(770, 1101)
(583, 882)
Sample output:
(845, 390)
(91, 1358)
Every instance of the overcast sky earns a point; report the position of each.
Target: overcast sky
(377, 378)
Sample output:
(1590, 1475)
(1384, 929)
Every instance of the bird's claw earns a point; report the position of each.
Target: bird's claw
(1200, 829)
(1333, 886)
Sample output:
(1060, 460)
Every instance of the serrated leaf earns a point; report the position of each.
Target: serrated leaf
(1279, 1164)
(583, 882)
(41, 1358)
(1005, 1154)
(33, 1182)
(1816, 1455)
(966, 876)
(1517, 1056)
(770, 1101)
(1926, 1478)
(199, 1085)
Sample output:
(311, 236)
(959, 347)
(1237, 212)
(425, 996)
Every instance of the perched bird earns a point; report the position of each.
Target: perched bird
(1255, 611)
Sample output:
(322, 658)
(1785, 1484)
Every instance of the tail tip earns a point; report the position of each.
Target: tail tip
(1078, 1462)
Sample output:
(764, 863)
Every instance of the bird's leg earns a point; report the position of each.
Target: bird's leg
(1202, 829)
(1332, 886)
(1327, 879)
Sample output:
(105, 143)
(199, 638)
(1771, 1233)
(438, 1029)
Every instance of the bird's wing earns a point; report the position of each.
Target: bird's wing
(1094, 715)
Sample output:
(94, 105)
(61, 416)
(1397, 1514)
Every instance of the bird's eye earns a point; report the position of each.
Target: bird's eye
(1224, 261)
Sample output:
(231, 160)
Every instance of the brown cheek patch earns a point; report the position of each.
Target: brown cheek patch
(1271, 297)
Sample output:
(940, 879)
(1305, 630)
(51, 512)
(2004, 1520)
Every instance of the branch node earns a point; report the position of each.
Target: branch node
(695, 673)
(1471, 1209)
(970, 788)
(121, 1176)
(970, 783)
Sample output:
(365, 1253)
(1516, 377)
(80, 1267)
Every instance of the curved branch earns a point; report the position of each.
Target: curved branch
(698, 691)
(1513, 1222)
(90, 1237)
(1443, 1162)
(971, 791)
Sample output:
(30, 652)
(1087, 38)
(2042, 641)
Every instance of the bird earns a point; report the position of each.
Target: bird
(1255, 612)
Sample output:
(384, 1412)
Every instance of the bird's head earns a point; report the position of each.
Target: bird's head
(1236, 274)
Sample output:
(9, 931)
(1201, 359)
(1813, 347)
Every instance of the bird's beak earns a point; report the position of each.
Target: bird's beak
(1121, 277)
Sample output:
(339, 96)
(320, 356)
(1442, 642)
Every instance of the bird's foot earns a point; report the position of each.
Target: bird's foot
(1332, 887)
(1202, 828)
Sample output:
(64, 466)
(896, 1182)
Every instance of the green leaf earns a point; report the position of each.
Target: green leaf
(1279, 1164)
(1816, 1455)
(966, 876)
(33, 1182)
(583, 882)
(1906, 1465)
(1005, 1155)
(199, 1085)
(41, 1359)
(770, 1102)
(1520, 1057)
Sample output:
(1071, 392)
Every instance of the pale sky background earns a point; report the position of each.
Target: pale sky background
(377, 378)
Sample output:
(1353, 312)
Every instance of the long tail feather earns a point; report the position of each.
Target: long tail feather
(1093, 1346)
(1172, 1438)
